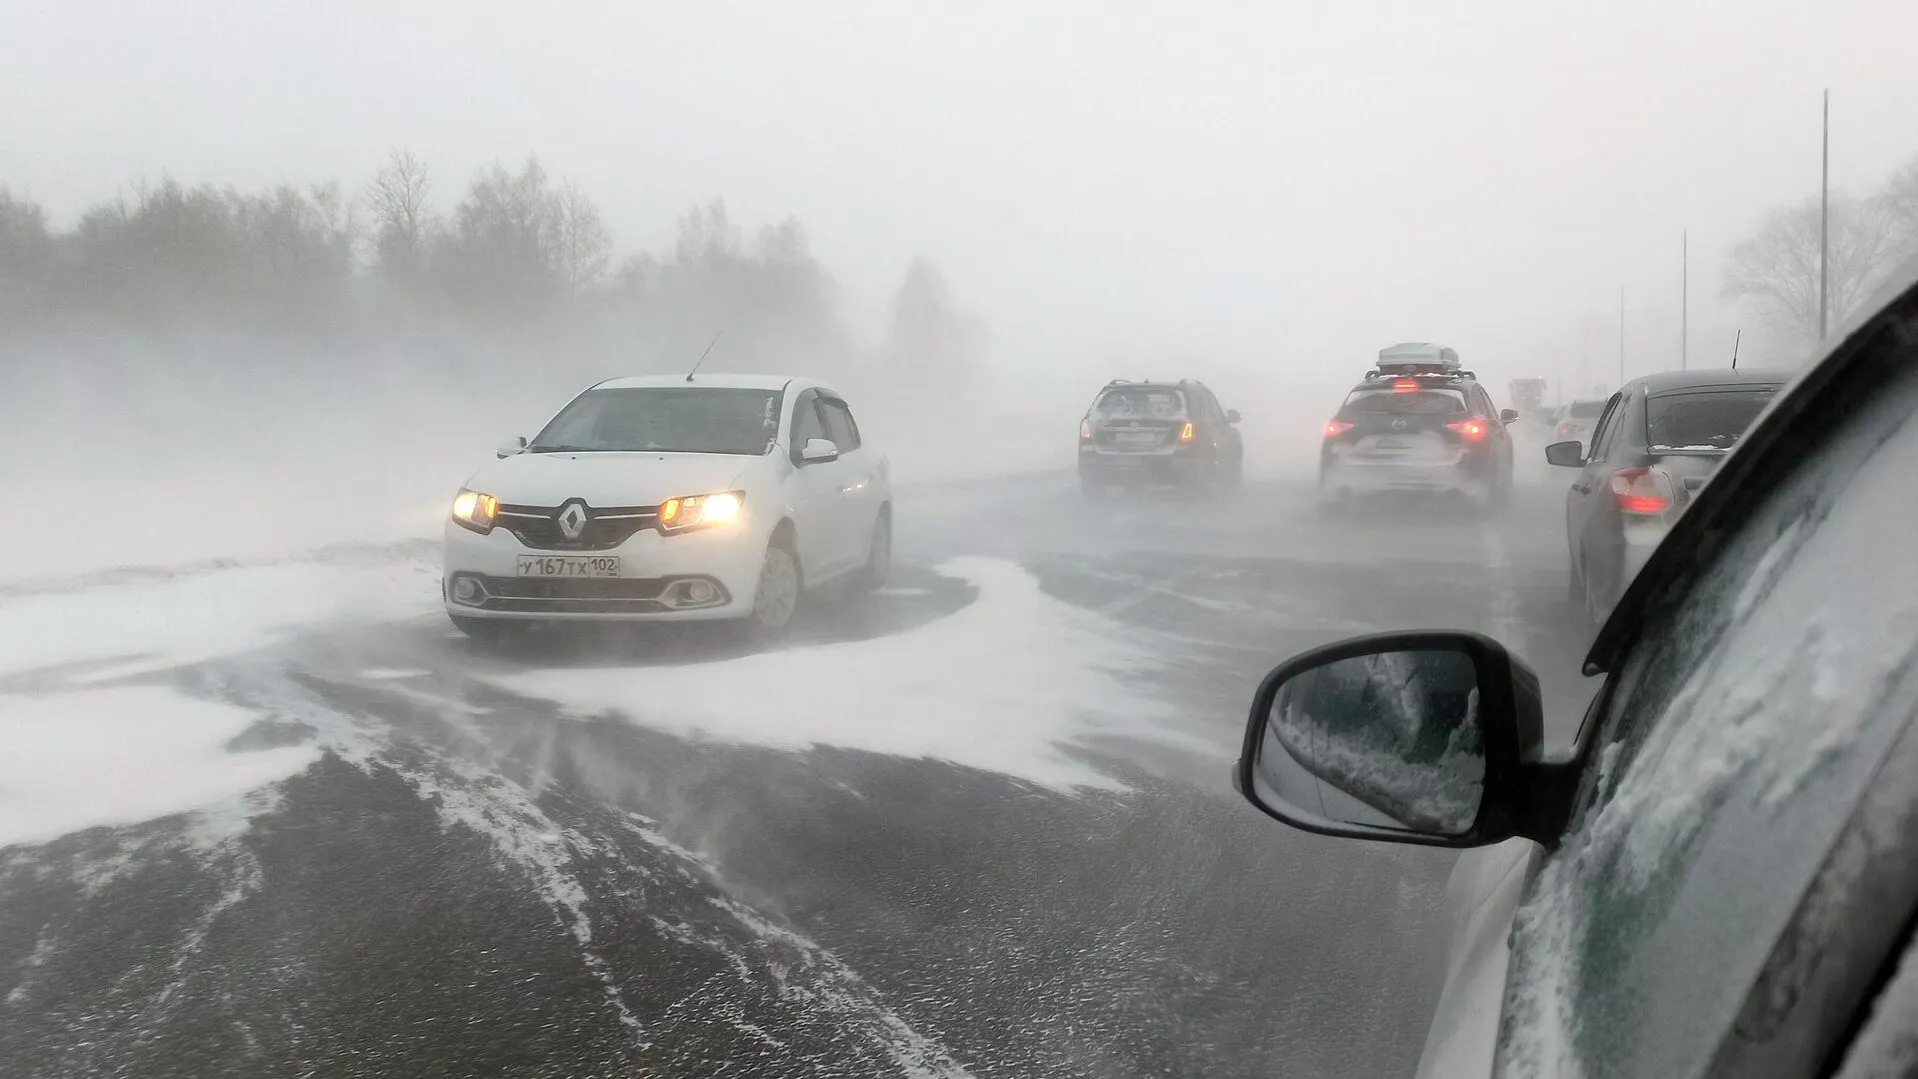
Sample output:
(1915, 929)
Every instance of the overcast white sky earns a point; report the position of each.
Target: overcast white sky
(1248, 184)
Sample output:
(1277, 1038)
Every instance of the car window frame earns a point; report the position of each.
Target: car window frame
(829, 405)
(806, 402)
(1603, 428)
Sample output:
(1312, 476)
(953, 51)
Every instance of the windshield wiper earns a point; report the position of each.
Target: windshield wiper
(559, 448)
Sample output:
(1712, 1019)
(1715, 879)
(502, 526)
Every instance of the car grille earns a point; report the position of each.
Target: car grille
(606, 528)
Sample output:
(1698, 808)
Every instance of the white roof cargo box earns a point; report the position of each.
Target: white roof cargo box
(1418, 354)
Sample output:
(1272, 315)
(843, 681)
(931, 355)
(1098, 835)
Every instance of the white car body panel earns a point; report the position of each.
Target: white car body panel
(833, 507)
(1483, 895)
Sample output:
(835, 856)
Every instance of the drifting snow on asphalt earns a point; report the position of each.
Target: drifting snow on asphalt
(1004, 685)
(121, 756)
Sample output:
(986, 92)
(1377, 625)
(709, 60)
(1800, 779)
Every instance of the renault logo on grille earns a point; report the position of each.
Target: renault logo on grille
(572, 520)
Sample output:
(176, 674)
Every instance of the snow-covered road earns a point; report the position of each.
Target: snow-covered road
(275, 818)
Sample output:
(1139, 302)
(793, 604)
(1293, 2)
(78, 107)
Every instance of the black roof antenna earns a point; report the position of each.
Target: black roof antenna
(703, 355)
(1735, 340)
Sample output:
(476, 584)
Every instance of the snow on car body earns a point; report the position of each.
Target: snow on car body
(670, 498)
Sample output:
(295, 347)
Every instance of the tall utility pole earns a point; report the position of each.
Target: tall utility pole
(1684, 299)
(1621, 335)
(1824, 227)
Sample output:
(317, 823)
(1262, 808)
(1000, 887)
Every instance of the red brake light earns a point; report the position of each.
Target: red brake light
(1645, 492)
(1473, 430)
(1336, 428)
(1404, 385)
(1566, 430)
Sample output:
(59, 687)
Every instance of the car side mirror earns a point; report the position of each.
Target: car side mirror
(1429, 737)
(818, 451)
(1566, 454)
(1508, 415)
(511, 447)
(1232, 415)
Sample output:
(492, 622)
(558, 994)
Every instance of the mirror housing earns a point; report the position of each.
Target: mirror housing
(1232, 415)
(511, 446)
(818, 451)
(1508, 415)
(1348, 779)
(1566, 454)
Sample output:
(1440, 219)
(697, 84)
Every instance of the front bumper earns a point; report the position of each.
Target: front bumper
(662, 578)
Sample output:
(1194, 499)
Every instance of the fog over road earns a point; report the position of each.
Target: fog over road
(977, 824)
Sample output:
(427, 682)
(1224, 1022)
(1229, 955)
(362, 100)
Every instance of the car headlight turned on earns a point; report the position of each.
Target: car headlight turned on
(475, 511)
(684, 514)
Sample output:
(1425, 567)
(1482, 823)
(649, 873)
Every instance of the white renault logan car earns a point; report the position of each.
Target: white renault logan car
(666, 497)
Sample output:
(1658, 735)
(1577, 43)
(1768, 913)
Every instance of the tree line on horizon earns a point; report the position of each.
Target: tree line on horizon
(517, 253)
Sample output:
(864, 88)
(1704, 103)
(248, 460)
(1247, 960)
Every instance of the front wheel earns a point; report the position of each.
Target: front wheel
(878, 556)
(777, 595)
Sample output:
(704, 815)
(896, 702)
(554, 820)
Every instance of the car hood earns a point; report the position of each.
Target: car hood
(610, 479)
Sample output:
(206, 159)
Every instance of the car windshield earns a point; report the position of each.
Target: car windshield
(1140, 401)
(665, 419)
(1406, 402)
(1705, 420)
(1585, 410)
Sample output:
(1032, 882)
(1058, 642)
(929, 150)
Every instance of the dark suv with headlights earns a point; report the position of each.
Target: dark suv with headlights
(1139, 434)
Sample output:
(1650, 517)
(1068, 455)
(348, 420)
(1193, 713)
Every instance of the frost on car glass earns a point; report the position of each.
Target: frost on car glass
(1711, 420)
(1406, 402)
(656, 419)
(1163, 404)
(1733, 755)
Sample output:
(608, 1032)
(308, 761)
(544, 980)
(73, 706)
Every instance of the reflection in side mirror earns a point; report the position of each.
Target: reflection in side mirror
(818, 450)
(1508, 415)
(1429, 737)
(511, 447)
(1387, 740)
(1566, 454)
(1232, 415)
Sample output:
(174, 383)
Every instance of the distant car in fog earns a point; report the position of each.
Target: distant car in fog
(1575, 420)
(665, 498)
(1419, 432)
(1652, 446)
(1138, 434)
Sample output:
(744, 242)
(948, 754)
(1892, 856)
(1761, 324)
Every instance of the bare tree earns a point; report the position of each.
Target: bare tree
(580, 245)
(26, 249)
(1777, 270)
(402, 222)
(932, 340)
(1901, 204)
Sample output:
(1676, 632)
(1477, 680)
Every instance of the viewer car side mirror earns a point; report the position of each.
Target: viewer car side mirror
(1508, 415)
(1566, 454)
(1428, 737)
(1232, 415)
(818, 451)
(511, 446)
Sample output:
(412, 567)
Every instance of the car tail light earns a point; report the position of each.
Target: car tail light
(1473, 430)
(1644, 492)
(1566, 430)
(1185, 433)
(1085, 430)
(1405, 385)
(1336, 428)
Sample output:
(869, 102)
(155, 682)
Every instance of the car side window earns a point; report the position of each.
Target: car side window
(839, 425)
(1602, 430)
(1677, 928)
(806, 421)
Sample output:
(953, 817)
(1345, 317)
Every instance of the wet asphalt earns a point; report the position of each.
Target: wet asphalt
(478, 884)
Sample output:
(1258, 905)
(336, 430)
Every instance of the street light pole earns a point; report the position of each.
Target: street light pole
(1684, 299)
(1621, 335)
(1824, 228)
